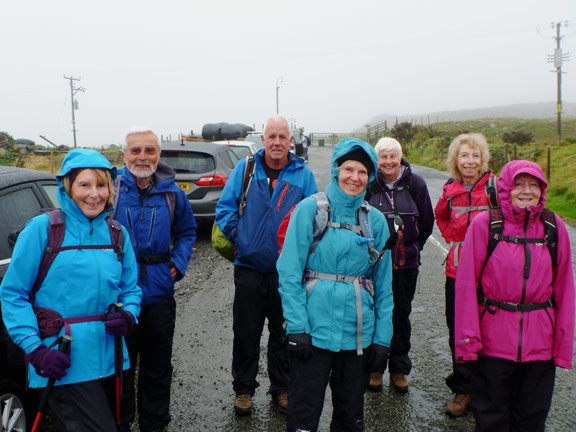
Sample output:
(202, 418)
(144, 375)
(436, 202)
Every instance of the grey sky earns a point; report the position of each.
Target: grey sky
(176, 65)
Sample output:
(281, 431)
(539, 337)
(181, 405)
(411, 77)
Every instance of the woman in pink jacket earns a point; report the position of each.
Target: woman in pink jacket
(524, 326)
(463, 198)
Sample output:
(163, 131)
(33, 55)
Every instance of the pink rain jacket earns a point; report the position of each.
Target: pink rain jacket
(518, 336)
(453, 223)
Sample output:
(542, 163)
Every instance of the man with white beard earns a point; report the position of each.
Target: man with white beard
(162, 228)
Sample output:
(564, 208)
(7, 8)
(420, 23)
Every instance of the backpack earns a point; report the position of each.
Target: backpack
(495, 230)
(491, 195)
(49, 321)
(322, 222)
(220, 242)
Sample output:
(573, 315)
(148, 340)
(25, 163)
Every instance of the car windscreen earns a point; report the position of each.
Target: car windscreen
(189, 162)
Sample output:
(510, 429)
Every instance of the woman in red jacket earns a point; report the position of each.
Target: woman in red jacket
(464, 197)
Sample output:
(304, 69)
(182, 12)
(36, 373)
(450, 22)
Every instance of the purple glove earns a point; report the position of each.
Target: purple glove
(53, 362)
(119, 323)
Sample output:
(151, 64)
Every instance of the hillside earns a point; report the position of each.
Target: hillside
(541, 110)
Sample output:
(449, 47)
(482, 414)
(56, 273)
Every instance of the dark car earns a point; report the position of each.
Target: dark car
(23, 193)
(202, 170)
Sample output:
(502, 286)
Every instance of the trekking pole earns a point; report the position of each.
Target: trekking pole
(62, 347)
(118, 363)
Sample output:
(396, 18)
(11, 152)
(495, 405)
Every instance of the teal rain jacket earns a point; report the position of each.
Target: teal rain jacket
(80, 282)
(328, 313)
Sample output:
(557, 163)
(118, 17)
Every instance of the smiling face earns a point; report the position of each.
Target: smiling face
(469, 162)
(352, 177)
(141, 154)
(527, 191)
(389, 164)
(89, 193)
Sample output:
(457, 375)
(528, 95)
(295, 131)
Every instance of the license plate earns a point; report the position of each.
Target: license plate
(184, 186)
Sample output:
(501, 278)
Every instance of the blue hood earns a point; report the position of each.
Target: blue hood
(80, 158)
(84, 158)
(346, 146)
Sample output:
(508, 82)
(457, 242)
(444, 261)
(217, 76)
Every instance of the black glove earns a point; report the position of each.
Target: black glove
(378, 357)
(300, 345)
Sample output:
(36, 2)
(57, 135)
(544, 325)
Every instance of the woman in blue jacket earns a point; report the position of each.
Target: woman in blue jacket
(339, 321)
(80, 285)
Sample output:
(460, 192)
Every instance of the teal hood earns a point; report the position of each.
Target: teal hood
(80, 158)
(84, 158)
(348, 145)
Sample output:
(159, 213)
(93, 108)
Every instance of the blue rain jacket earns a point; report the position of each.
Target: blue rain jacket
(80, 282)
(148, 221)
(256, 232)
(328, 313)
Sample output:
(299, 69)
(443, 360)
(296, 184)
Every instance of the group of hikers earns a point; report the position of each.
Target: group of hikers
(334, 273)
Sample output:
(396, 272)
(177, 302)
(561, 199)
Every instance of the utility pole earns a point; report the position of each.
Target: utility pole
(557, 58)
(73, 91)
(278, 81)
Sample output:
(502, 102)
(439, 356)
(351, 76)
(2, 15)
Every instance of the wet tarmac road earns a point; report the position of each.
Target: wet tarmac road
(202, 393)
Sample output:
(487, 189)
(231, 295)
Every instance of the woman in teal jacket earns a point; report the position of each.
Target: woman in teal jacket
(80, 284)
(337, 325)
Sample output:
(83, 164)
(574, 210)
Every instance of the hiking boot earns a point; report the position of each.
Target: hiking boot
(400, 382)
(375, 381)
(281, 401)
(243, 404)
(458, 405)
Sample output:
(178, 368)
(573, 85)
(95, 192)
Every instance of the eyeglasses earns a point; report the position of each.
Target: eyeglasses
(150, 151)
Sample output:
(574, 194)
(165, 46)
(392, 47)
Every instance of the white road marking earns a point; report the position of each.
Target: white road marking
(437, 243)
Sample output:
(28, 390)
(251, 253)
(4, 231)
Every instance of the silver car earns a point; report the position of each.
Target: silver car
(202, 170)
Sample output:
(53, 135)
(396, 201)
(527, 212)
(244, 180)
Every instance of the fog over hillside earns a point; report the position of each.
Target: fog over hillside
(539, 110)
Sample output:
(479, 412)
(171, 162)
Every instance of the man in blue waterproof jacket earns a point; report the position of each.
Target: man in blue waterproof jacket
(162, 228)
(281, 180)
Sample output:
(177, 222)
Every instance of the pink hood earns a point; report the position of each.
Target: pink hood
(506, 185)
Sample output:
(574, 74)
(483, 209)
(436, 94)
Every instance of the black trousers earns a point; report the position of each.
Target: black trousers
(84, 407)
(512, 397)
(256, 299)
(459, 379)
(150, 344)
(403, 289)
(348, 375)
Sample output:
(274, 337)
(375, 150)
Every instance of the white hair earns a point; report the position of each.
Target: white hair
(277, 118)
(137, 130)
(387, 144)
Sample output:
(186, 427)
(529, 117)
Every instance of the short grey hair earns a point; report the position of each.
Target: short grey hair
(387, 144)
(137, 130)
(277, 118)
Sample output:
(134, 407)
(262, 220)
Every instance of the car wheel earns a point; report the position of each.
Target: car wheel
(12, 408)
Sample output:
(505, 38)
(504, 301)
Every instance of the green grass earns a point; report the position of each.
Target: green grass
(561, 194)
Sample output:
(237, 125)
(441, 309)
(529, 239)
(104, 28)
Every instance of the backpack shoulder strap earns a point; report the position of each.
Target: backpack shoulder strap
(321, 219)
(171, 202)
(495, 229)
(116, 236)
(492, 192)
(246, 182)
(365, 222)
(551, 233)
(56, 230)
